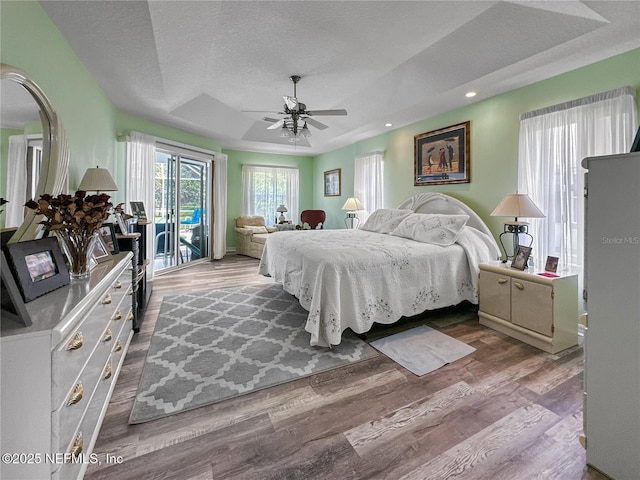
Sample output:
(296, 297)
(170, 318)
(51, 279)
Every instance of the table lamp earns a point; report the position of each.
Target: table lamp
(281, 209)
(352, 205)
(97, 180)
(517, 205)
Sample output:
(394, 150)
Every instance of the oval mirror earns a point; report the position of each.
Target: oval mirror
(53, 163)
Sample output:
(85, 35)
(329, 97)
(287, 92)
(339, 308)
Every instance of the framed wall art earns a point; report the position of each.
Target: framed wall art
(332, 182)
(443, 156)
(38, 266)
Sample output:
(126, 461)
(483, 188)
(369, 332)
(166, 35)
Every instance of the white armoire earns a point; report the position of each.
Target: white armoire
(612, 343)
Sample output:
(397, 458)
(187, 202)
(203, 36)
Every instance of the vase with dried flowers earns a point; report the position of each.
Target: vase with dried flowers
(75, 219)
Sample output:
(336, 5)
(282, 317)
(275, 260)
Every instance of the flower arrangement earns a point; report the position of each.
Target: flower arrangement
(75, 219)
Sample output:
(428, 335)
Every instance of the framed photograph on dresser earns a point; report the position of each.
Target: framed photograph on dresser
(521, 257)
(100, 252)
(38, 266)
(108, 233)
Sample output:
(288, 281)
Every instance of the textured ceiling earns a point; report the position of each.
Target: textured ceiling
(197, 65)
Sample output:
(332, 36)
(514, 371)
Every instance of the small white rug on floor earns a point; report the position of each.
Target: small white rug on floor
(422, 349)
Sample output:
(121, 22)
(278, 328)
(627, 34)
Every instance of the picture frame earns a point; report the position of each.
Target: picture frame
(108, 233)
(122, 225)
(100, 252)
(38, 266)
(521, 257)
(443, 156)
(139, 212)
(551, 265)
(333, 182)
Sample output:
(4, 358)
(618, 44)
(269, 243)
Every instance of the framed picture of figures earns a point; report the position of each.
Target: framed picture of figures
(443, 156)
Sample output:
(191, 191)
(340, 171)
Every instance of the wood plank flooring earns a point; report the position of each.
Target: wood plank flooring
(507, 411)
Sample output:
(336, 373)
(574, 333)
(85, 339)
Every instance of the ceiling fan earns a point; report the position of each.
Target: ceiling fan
(294, 125)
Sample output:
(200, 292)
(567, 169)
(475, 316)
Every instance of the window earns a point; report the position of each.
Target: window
(264, 188)
(553, 143)
(368, 182)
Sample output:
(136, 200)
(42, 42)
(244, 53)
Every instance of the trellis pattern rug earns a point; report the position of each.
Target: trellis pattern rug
(213, 345)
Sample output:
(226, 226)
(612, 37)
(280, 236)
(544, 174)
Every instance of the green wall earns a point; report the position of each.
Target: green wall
(494, 141)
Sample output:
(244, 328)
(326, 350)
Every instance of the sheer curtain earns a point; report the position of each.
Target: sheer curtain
(219, 205)
(16, 181)
(368, 182)
(553, 143)
(264, 188)
(141, 165)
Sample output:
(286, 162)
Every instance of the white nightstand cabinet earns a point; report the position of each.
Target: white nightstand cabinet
(535, 309)
(58, 374)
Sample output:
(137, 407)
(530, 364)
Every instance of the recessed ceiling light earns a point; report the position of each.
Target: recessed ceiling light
(388, 124)
(470, 94)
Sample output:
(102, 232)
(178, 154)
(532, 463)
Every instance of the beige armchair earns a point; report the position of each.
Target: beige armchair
(251, 233)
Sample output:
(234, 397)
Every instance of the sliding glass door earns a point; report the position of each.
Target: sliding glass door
(181, 216)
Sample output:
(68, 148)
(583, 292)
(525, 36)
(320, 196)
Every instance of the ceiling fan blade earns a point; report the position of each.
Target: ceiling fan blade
(259, 111)
(278, 124)
(291, 102)
(315, 123)
(328, 112)
(270, 120)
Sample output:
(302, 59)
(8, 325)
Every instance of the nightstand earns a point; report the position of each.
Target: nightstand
(536, 309)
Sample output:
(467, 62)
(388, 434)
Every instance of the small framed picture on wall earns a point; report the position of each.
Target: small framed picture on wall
(332, 182)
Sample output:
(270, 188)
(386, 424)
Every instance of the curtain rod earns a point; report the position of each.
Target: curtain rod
(598, 97)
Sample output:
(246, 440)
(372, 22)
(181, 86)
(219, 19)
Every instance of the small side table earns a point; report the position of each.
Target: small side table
(540, 310)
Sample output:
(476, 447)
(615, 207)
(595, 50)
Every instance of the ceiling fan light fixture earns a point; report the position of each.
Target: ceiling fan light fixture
(305, 132)
(284, 131)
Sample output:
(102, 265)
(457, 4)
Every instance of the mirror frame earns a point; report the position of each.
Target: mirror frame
(54, 171)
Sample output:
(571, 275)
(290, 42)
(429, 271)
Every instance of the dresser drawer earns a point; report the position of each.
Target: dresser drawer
(494, 294)
(81, 439)
(72, 355)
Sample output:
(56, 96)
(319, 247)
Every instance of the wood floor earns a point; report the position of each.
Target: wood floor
(507, 411)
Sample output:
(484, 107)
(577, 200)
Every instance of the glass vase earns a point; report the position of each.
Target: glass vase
(78, 249)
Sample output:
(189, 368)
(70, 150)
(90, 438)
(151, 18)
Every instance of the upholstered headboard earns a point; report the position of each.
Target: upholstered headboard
(433, 202)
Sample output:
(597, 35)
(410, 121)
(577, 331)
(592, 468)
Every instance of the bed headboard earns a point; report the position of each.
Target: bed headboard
(434, 202)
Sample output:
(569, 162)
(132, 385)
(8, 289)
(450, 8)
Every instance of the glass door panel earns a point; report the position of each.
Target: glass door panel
(182, 187)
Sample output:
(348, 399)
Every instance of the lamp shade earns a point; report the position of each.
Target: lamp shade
(281, 209)
(517, 205)
(97, 180)
(352, 204)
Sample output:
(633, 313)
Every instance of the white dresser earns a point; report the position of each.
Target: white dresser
(59, 373)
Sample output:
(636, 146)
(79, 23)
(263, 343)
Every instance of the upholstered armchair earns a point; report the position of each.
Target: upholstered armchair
(314, 218)
(251, 233)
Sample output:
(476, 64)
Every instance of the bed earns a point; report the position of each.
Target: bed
(397, 264)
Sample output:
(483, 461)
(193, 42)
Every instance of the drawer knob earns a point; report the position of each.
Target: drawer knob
(130, 316)
(106, 300)
(76, 342)
(117, 315)
(118, 284)
(76, 448)
(107, 335)
(518, 285)
(502, 281)
(76, 395)
(118, 347)
(107, 372)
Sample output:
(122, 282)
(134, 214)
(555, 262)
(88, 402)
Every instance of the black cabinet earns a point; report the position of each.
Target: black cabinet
(136, 242)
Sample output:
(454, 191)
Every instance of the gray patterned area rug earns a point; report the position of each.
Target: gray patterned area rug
(214, 345)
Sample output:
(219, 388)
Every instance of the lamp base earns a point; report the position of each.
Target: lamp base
(352, 221)
(515, 229)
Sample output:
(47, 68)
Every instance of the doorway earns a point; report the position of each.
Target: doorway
(181, 215)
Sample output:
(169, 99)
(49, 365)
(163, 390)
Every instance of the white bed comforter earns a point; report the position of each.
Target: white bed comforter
(353, 278)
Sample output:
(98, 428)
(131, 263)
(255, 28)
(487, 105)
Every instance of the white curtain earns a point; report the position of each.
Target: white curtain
(219, 205)
(368, 183)
(16, 181)
(264, 188)
(141, 164)
(553, 143)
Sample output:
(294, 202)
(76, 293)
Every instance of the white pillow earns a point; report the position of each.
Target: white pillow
(437, 229)
(385, 220)
(256, 229)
